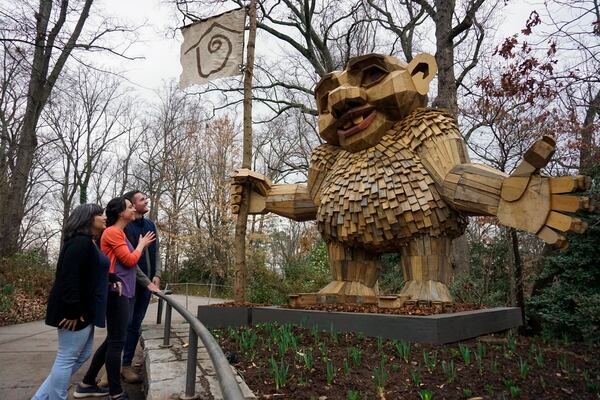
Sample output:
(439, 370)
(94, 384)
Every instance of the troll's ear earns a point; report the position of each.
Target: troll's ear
(422, 69)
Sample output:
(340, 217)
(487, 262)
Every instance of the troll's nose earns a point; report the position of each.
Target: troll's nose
(345, 98)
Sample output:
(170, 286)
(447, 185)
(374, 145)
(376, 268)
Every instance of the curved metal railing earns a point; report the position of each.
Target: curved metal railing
(229, 385)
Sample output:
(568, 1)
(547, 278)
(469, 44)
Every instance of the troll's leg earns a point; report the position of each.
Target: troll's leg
(355, 271)
(426, 267)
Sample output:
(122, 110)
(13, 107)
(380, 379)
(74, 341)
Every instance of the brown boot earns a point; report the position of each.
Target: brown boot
(129, 375)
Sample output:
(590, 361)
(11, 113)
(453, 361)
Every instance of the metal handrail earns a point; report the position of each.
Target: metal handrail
(229, 385)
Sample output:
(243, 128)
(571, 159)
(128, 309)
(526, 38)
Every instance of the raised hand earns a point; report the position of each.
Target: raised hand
(147, 239)
(260, 188)
(537, 204)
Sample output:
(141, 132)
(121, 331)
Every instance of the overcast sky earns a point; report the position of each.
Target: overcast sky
(160, 46)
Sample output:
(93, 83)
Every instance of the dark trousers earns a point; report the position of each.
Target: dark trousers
(109, 352)
(142, 299)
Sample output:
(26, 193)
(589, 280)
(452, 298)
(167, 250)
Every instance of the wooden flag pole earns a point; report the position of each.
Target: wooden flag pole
(242, 218)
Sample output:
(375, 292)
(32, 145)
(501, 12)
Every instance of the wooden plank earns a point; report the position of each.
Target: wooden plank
(567, 184)
(552, 238)
(492, 184)
(236, 189)
(565, 223)
(514, 187)
(568, 203)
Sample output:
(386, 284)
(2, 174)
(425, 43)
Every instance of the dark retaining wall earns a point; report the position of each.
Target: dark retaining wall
(437, 329)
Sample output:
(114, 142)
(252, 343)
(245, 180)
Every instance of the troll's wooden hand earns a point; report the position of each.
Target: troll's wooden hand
(537, 204)
(260, 186)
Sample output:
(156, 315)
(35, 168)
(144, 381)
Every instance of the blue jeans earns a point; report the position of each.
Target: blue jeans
(142, 299)
(74, 348)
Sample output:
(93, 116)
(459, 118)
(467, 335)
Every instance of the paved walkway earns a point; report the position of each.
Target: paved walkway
(27, 352)
(167, 367)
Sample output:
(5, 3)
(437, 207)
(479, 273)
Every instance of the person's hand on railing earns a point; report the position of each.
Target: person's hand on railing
(153, 288)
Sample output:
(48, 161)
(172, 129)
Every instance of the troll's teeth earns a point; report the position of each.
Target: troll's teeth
(357, 120)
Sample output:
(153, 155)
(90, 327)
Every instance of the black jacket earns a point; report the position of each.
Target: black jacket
(79, 285)
(133, 230)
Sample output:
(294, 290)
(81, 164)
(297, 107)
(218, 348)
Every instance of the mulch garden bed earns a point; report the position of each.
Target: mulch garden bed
(290, 362)
(230, 304)
(373, 308)
(364, 308)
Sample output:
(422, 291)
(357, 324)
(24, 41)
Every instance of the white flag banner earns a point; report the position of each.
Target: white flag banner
(212, 48)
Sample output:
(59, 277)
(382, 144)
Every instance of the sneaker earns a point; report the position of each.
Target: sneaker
(122, 396)
(90, 391)
(129, 375)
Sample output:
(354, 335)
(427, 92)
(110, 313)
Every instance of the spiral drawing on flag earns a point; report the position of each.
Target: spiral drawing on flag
(212, 48)
(215, 42)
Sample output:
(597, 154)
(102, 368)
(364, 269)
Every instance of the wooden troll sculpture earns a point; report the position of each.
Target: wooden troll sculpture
(394, 176)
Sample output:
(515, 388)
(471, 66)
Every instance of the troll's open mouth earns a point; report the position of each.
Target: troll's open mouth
(354, 122)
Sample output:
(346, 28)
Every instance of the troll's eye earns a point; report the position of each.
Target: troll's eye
(373, 74)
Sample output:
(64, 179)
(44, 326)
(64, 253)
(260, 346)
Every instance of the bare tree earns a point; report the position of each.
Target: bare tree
(285, 243)
(163, 161)
(576, 37)
(52, 37)
(164, 126)
(85, 119)
(283, 147)
(178, 174)
(13, 83)
(36, 230)
(38, 227)
(217, 152)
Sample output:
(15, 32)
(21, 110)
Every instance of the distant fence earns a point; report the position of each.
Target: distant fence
(210, 290)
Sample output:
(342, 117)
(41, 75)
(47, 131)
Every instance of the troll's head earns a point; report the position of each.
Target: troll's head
(358, 105)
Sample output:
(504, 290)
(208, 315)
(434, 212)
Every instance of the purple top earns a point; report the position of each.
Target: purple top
(126, 275)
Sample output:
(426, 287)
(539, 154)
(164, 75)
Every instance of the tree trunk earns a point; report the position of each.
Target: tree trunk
(518, 270)
(240, 247)
(446, 95)
(447, 98)
(587, 151)
(84, 186)
(242, 218)
(11, 213)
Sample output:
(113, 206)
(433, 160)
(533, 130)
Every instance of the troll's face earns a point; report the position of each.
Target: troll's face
(358, 105)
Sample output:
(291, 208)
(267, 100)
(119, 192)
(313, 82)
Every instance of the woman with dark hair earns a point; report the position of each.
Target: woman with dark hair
(77, 301)
(123, 261)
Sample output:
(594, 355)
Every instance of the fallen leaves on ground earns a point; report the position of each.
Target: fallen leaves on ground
(25, 308)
